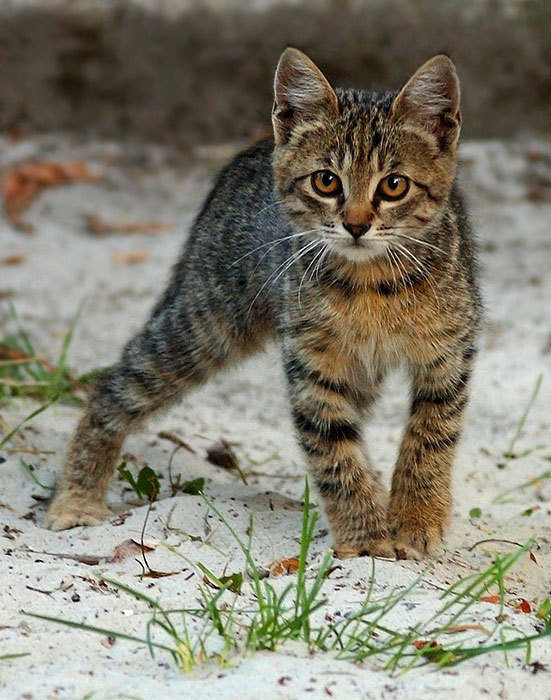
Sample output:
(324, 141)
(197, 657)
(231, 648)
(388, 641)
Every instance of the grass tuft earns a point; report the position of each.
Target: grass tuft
(248, 612)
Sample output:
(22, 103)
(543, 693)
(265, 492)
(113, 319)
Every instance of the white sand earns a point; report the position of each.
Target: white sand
(64, 264)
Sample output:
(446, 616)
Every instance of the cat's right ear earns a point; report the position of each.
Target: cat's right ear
(301, 93)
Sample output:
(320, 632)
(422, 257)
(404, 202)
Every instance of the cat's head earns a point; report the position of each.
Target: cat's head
(360, 170)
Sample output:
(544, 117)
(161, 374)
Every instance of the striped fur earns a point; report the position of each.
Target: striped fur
(270, 258)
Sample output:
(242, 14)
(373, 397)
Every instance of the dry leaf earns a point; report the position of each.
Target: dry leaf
(15, 259)
(490, 599)
(222, 455)
(101, 228)
(151, 573)
(24, 182)
(138, 256)
(129, 548)
(286, 565)
(420, 644)
(164, 435)
(524, 606)
(108, 642)
(464, 628)
(533, 557)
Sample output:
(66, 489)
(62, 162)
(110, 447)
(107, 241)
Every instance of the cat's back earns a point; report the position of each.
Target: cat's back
(242, 190)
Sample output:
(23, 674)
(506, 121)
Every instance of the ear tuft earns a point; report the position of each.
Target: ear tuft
(301, 93)
(430, 99)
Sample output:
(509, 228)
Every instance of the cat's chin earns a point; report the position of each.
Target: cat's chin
(359, 251)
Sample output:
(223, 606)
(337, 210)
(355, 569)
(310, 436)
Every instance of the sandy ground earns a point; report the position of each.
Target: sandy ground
(64, 264)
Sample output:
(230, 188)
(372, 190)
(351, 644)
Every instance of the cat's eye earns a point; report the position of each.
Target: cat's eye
(393, 187)
(326, 183)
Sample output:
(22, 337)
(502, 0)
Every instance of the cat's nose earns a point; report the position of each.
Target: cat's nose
(357, 230)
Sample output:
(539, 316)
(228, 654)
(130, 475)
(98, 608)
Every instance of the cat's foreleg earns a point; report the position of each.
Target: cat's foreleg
(420, 502)
(327, 414)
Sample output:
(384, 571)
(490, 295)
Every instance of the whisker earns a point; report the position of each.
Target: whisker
(274, 204)
(283, 267)
(310, 264)
(418, 240)
(272, 244)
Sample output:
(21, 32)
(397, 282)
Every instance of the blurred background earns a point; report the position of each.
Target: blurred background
(192, 72)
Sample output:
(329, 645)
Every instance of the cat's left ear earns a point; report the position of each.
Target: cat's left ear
(430, 99)
(301, 93)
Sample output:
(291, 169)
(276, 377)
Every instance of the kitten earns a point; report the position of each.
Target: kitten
(346, 238)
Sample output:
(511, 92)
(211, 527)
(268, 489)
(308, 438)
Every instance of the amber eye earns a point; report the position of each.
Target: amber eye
(393, 187)
(326, 183)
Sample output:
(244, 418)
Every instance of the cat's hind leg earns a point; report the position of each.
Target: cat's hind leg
(177, 350)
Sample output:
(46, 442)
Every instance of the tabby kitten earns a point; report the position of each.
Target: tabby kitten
(346, 238)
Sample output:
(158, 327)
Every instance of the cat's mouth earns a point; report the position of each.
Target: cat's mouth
(364, 248)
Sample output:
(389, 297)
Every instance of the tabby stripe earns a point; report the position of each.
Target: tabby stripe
(333, 431)
(392, 287)
(299, 371)
(430, 195)
(144, 379)
(336, 387)
(437, 444)
(444, 396)
(330, 279)
(327, 488)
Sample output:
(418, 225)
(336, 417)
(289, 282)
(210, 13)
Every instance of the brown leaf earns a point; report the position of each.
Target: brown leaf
(14, 259)
(419, 643)
(101, 228)
(151, 573)
(452, 629)
(490, 599)
(128, 548)
(524, 606)
(164, 435)
(286, 565)
(533, 557)
(138, 256)
(24, 182)
(222, 455)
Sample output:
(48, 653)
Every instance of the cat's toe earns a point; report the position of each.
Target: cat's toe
(374, 548)
(65, 513)
(416, 542)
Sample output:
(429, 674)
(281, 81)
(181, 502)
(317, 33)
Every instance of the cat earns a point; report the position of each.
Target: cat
(344, 237)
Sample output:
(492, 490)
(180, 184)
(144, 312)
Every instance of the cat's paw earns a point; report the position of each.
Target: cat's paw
(416, 540)
(382, 547)
(68, 511)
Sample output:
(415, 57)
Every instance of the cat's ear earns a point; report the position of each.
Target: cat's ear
(301, 93)
(430, 99)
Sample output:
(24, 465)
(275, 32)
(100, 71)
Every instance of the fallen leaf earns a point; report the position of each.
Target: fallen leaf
(151, 573)
(452, 629)
(128, 548)
(14, 259)
(286, 565)
(533, 557)
(490, 599)
(138, 256)
(524, 606)
(222, 455)
(22, 184)
(101, 228)
(164, 435)
(66, 583)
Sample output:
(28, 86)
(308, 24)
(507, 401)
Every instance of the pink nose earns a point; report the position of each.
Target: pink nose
(357, 230)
